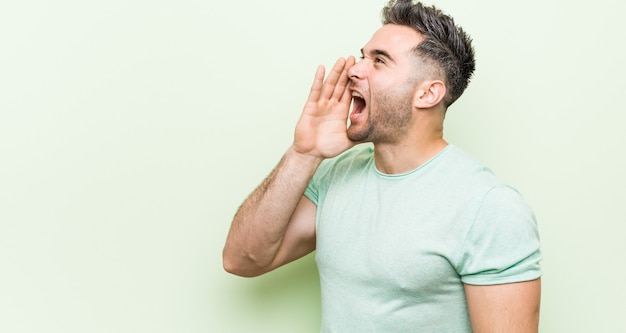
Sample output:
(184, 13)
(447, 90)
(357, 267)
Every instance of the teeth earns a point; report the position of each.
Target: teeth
(356, 94)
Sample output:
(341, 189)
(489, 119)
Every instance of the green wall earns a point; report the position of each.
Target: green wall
(130, 132)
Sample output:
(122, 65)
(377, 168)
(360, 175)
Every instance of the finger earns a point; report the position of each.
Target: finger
(350, 61)
(346, 97)
(342, 84)
(333, 77)
(316, 87)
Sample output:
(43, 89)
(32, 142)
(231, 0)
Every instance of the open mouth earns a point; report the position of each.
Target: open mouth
(358, 104)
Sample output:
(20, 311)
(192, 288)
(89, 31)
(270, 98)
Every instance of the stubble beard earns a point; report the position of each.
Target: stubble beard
(389, 116)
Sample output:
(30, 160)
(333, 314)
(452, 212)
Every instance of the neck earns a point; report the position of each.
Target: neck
(420, 144)
(402, 158)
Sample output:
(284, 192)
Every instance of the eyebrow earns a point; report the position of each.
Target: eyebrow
(377, 52)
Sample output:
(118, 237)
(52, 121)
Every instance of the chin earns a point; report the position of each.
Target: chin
(357, 135)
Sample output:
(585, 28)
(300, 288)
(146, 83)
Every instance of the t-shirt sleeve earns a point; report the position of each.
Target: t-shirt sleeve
(502, 245)
(312, 190)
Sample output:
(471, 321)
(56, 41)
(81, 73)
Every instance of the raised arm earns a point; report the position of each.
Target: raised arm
(276, 223)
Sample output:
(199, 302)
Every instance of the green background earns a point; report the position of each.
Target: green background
(130, 132)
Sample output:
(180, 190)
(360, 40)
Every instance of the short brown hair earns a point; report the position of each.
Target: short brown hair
(445, 43)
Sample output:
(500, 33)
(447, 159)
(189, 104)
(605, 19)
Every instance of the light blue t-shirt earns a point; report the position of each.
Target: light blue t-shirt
(393, 251)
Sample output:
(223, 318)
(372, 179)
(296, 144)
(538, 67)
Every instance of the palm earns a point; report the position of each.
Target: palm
(321, 130)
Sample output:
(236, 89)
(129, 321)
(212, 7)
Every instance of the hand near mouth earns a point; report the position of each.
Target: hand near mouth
(321, 131)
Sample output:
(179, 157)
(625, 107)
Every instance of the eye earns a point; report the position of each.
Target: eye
(376, 60)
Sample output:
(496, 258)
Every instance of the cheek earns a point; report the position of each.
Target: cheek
(398, 96)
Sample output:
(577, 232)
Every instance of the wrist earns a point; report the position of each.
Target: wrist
(303, 159)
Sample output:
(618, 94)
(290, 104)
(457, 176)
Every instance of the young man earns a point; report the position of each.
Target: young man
(411, 234)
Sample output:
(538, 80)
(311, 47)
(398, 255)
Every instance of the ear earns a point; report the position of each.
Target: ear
(429, 94)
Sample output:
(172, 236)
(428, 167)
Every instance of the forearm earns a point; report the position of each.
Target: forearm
(259, 225)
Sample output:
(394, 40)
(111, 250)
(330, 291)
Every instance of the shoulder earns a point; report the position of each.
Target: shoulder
(502, 244)
(456, 160)
(356, 158)
(335, 170)
(460, 173)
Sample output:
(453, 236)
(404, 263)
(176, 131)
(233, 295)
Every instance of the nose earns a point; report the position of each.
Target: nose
(356, 72)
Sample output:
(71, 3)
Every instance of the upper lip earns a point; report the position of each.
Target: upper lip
(356, 93)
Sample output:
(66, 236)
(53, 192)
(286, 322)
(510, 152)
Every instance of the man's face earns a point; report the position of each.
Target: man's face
(382, 85)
